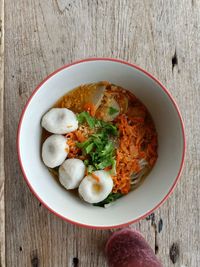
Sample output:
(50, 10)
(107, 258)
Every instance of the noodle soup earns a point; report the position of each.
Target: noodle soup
(100, 140)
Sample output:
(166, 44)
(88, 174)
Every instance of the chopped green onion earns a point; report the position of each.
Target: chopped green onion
(89, 148)
(90, 168)
(103, 164)
(85, 116)
(98, 147)
(107, 127)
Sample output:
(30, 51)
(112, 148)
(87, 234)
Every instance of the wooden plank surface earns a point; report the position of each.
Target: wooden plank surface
(2, 176)
(42, 35)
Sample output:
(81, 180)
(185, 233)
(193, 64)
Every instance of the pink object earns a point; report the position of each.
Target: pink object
(128, 248)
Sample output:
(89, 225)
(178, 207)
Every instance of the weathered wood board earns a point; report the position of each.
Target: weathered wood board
(41, 35)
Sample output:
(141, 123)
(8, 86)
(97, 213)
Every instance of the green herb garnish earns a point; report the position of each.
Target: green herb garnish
(111, 197)
(85, 117)
(106, 127)
(112, 111)
(90, 168)
(98, 148)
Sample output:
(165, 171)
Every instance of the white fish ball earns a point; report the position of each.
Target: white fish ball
(71, 172)
(94, 191)
(60, 121)
(54, 150)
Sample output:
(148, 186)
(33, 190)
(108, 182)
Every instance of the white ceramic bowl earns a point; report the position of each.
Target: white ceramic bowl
(159, 183)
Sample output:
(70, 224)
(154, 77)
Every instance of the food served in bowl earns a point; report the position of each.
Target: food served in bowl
(66, 204)
(100, 139)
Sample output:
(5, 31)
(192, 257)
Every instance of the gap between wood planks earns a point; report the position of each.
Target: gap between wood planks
(2, 175)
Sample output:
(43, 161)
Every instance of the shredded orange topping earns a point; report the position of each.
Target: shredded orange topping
(133, 135)
(79, 135)
(74, 151)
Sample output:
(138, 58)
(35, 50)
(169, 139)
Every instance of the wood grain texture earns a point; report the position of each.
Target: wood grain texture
(2, 176)
(160, 36)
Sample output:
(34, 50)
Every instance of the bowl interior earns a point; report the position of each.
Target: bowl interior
(170, 137)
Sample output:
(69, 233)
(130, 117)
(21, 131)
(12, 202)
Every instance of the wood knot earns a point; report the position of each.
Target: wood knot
(75, 262)
(22, 89)
(35, 262)
(174, 60)
(34, 259)
(174, 252)
(160, 225)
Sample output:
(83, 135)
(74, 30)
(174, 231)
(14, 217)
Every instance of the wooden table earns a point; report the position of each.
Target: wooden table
(41, 35)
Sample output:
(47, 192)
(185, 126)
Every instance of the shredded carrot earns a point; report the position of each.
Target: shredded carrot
(134, 133)
(74, 151)
(90, 108)
(72, 139)
(95, 177)
(80, 137)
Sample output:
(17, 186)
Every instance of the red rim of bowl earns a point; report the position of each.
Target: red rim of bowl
(183, 135)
